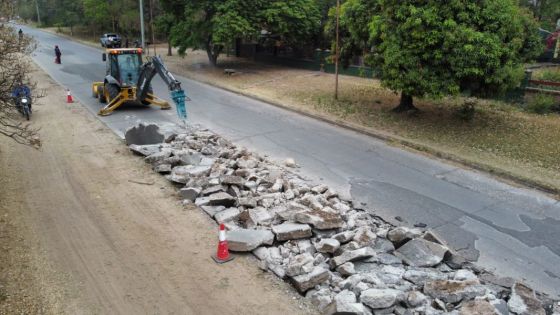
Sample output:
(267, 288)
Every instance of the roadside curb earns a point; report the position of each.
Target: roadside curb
(392, 139)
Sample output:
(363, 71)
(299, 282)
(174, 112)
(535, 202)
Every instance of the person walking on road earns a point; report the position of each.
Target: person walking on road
(20, 34)
(57, 54)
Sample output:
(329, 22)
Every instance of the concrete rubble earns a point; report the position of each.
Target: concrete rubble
(341, 257)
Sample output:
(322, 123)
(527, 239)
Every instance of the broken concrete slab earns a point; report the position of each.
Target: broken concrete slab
(415, 299)
(401, 234)
(321, 220)
(290, 162)
(232, 180)
(297, 265)
(158, 157)
(212, 190)
(421, 276)
(478, 307)
(305, 246)
(379, 298)
(227, 215)
(260, 216)
(421, 253)
(221, 199)
(289, 213)
(388, 259)
(163, 168)
(145, 150)
(190, 193)
(188, 157)
(451, 291)
(327, 245)
(344, 237)
(247, 202)
(291, 231)
(310, 280)
(523, 301)
(346, 269)
(243, 240)
(212, 210)
(346, 302)
(464, 274)
(383, 245)
(319, 189)
(278, 270)
(365, 236)
(181, 174)
(353, 255)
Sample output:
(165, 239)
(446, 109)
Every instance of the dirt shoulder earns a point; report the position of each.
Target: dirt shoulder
(87, 227)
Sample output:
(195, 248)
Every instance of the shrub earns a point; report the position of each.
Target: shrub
(467, 110)
(541, 104)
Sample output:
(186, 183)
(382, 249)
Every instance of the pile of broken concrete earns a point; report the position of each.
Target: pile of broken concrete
(340, 256)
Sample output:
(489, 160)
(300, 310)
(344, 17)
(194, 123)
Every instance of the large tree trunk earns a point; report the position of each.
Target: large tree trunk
(406, 104)
(169, 52)
(211, 56)
(213, 51)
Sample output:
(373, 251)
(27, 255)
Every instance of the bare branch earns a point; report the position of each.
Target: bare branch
(15, 67)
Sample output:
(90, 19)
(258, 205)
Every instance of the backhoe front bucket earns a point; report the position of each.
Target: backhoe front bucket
(113, 104)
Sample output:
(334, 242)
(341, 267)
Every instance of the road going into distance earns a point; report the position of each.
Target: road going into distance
(513, 231)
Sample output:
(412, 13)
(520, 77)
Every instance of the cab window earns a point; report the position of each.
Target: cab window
(129, 67)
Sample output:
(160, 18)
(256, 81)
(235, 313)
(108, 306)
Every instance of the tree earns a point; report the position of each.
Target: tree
(355, 16)
(546, 11)
(211, 24)
(437, 48)
(13, 68)
(163, 24)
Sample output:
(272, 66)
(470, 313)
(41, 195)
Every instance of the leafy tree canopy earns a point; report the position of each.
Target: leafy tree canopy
(210, 24)
(436, 48)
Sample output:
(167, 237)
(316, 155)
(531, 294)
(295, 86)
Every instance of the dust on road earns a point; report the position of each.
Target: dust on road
(94, 241)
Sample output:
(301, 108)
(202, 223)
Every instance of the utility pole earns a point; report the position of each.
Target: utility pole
(38, 15)
(142, 24)
(336, 51)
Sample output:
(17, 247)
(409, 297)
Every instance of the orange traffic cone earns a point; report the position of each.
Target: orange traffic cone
(222, 256)
(69, 97)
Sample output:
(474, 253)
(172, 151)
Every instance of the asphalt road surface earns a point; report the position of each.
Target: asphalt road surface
(512, 231)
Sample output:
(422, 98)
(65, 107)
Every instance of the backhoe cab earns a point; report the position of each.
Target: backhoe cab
(127, 80)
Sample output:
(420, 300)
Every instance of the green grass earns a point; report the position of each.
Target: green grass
(548, 74)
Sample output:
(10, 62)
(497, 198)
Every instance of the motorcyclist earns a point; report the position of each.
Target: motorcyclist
(21, 90)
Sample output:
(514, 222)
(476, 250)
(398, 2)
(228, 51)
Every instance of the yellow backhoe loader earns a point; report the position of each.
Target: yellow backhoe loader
(128, 80)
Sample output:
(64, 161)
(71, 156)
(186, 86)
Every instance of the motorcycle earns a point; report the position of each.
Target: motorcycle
(23, 105)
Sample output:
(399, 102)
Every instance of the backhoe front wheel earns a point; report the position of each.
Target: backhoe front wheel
(112, 91)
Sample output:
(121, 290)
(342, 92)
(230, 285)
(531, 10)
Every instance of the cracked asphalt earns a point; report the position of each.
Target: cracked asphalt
(510, 230)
